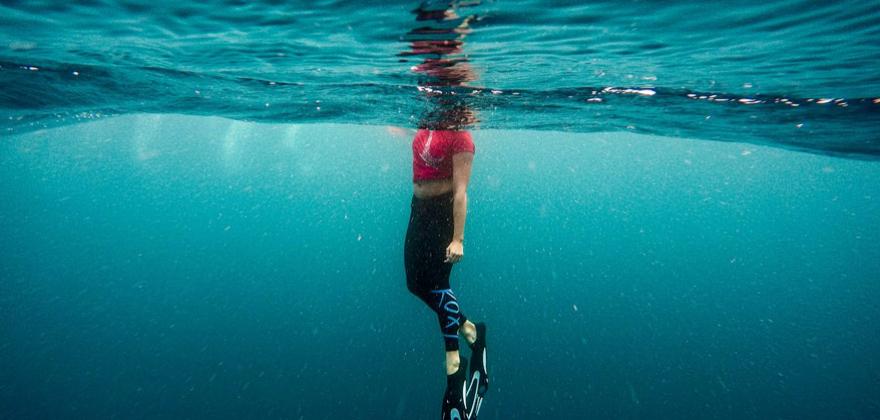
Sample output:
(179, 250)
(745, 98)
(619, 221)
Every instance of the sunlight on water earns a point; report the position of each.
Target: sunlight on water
(238, 132)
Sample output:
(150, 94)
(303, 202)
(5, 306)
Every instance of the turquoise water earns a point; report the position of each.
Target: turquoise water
(190, 267)
(794, 73)
(674, 210)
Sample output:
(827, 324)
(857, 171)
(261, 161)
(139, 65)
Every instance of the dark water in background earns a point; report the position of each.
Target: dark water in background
(182, 267)
(166, 266)
(797, 73)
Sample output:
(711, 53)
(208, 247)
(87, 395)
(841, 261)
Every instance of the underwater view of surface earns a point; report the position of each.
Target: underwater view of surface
(674, 210)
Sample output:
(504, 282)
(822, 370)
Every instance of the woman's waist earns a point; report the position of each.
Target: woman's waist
(433, 188)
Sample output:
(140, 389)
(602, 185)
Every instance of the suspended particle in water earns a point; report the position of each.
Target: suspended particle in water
(21, 45)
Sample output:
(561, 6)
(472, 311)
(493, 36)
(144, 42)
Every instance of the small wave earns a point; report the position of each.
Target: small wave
(778, 73)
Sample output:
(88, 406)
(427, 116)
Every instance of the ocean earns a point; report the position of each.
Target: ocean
(674, 210)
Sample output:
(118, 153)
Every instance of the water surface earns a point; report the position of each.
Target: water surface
(798, 74)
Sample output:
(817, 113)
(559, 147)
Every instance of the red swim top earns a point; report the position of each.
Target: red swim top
(433, 150)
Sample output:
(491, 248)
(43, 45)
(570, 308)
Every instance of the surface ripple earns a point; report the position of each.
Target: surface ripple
(791, 73)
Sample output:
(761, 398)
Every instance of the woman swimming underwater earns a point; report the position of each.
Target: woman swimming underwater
(442, 160)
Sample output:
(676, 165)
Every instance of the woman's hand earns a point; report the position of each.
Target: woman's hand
(454, 252)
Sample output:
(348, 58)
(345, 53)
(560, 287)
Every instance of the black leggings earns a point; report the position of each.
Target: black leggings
(427, 276)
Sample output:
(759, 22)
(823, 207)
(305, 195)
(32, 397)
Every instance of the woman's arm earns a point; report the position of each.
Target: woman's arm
(461, 175)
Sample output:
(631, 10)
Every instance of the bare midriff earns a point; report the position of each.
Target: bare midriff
(432, 187)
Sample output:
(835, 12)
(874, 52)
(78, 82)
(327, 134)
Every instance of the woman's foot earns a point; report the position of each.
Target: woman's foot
(454, 406)
(478, 371)
(469, 331)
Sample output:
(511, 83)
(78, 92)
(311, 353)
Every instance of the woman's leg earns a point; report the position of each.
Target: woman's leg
(453, 359)
(427, 275)
(450, 320)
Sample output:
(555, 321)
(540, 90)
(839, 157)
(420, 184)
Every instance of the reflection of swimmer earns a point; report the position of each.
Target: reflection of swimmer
(443, 153)
(440, 44)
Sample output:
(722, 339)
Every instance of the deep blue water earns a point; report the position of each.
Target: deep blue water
(674, 210)
(182, 267)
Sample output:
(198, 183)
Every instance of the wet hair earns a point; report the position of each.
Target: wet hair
(448, 115)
